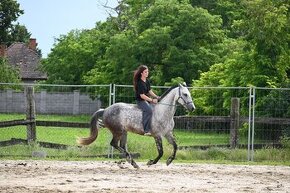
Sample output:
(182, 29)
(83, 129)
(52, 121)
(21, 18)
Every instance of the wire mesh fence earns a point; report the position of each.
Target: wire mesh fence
(272, 113)
(261, 119)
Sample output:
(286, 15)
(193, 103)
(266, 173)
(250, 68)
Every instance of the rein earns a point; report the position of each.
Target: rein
(168, 104)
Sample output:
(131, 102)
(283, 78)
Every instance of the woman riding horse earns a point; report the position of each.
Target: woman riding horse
(143, 92)
(121, 117)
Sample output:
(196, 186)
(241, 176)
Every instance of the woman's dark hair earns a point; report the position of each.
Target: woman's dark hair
(137, 75)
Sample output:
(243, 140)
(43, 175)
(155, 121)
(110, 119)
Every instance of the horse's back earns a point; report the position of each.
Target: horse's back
(123, 115)
(122, 108)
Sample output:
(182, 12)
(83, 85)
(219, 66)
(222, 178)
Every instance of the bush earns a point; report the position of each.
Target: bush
(285, 141)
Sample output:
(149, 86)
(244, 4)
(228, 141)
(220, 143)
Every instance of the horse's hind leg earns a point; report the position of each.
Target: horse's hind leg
(158, 141)
(170, 138)
(123, 143)
(114, 143)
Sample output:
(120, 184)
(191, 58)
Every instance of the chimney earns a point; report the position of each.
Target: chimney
(32, 43)
(3, 50)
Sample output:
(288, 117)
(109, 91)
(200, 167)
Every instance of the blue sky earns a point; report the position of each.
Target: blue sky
(48, 19)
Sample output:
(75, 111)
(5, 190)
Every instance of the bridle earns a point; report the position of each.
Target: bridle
(179, 97)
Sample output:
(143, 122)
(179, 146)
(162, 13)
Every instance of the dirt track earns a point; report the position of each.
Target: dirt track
(95, 176)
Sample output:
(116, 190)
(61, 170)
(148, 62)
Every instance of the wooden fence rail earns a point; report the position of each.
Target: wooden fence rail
(62, 124)
(15, 123)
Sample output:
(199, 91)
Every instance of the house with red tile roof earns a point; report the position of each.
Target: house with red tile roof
(24, 58)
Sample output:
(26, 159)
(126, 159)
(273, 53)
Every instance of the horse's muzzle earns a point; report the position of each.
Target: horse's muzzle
(190, 107)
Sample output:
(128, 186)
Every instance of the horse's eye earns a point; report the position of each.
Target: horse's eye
(185, 94)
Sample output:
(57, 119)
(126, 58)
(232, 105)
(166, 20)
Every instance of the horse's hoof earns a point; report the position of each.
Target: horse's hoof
(136, 166)
(169, 161)
(150, 162)
(133, 163)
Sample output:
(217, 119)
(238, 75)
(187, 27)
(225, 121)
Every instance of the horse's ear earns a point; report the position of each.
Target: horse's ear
(182, 85)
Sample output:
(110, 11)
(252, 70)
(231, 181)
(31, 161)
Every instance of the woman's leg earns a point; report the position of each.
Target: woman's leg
(146, 115)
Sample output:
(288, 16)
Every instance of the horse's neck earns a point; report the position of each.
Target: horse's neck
(167, 106)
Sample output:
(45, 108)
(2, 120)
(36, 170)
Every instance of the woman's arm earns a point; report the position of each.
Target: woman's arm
(153, 94)
(146, 98)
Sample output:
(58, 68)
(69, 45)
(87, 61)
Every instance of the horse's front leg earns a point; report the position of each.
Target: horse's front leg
(158, 141)
(171, 139)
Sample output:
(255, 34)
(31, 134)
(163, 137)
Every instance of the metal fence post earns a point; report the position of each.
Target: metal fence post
(110, 93)
(111, 96)
(235, 122)
(114, 93)
(251, 123)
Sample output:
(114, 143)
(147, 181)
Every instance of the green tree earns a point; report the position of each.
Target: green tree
(168, 36)
(229, 10)
(261, 58)
(257, 58)
(267, 29)
(171, 37)
(71, 54)
(7, 73)
(76, 54)
(9, 12)
(19, 33)
(175, 36)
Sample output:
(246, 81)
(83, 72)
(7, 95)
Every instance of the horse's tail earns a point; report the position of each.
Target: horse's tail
(95, 125)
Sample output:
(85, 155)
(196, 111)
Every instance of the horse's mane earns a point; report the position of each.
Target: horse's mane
(166, 92)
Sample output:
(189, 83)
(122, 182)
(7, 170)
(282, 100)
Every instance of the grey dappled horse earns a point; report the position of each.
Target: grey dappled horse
(121, 117)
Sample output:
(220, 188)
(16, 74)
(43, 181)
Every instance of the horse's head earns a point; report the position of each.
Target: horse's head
(184, 97)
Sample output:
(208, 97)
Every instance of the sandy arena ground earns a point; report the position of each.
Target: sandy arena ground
(96, 176)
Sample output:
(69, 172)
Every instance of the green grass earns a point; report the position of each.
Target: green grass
(185, 138)
(11, 116)
(136, 143)
(66, 118)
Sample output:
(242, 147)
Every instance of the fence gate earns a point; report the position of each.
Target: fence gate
(269, 118)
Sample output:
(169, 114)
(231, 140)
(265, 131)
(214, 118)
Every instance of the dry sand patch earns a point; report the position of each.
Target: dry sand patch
(28, 176)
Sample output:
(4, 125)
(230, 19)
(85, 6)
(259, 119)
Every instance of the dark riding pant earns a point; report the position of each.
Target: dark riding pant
(146, 115)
